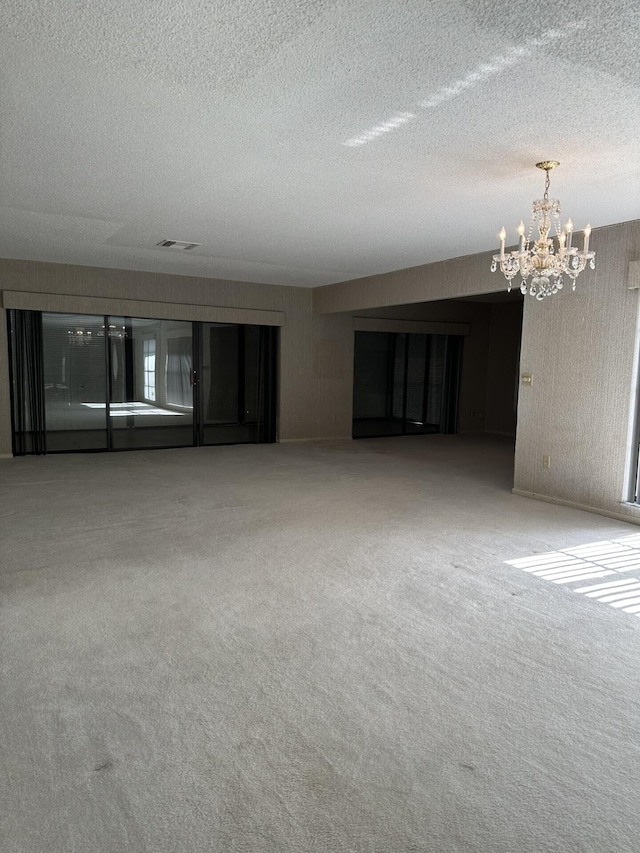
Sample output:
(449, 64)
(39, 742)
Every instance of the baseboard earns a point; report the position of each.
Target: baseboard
(618, 516)
(316, 438)
(497, 432)
(6, 456)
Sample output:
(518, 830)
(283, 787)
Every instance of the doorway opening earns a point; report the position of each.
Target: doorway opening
(453, 368)
(405, 384)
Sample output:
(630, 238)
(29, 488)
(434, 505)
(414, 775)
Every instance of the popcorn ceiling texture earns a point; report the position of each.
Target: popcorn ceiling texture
(212, 45)
(227, 123)
(607, 39)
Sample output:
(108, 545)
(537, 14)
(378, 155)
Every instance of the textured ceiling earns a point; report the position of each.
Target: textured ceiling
(309, 142)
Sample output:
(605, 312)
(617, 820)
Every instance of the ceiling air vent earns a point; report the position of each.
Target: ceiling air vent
(177, 244)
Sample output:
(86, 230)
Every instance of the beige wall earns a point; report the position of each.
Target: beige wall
(313, 362)
(580, 348)
(467, 276)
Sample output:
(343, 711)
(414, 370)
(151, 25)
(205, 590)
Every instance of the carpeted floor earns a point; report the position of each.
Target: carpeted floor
(307, 648)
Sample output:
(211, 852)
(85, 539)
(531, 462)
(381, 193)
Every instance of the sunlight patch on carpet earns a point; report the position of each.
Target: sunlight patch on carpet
(608, 559)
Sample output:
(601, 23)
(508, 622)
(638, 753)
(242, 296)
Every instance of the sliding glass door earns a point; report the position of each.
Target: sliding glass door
(151, 383)
(235, 384)
(75, 382)
(92, 382)
(405, 384)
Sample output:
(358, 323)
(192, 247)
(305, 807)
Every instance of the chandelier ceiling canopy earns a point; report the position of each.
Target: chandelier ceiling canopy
(542, 262)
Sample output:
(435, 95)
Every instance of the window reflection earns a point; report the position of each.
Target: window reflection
(151, 402)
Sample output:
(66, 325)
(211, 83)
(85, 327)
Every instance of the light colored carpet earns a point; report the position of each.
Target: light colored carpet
(307, 649)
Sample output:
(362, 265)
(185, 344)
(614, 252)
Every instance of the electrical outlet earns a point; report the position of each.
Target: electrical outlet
(526, 379)
(546, 461)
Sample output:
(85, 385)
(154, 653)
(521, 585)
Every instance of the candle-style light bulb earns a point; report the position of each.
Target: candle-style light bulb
(521, 233)
(569, 229)
(587, 233)
(502, 236)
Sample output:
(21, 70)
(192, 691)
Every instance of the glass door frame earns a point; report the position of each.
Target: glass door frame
(452, 360)
(30, 393)
(266, 383)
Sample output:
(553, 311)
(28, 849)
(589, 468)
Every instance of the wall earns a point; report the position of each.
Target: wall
(312, 350)
(466, 276)
(580, 347)
(503, 356)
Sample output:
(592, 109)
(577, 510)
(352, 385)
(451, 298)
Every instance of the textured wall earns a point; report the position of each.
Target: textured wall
(580, 348)
(310, 404)
(467, 276)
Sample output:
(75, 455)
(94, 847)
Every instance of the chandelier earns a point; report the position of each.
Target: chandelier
(79, 336)
(541, 260)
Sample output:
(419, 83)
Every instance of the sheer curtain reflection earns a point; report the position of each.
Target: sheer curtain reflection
(96, 382)
(25, 341)
(179, 372)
